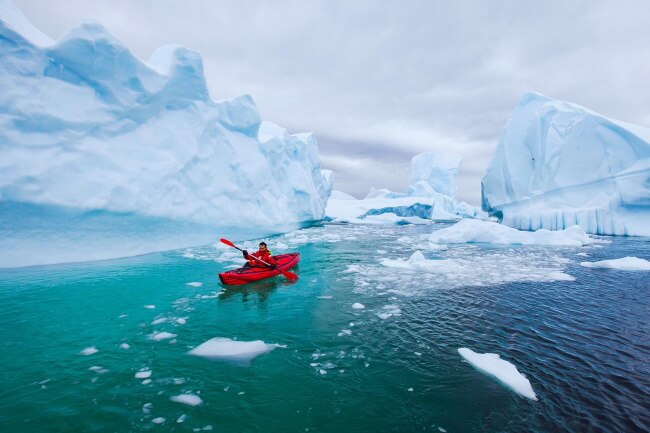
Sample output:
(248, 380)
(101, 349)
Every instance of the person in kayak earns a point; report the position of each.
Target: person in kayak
(263, 254)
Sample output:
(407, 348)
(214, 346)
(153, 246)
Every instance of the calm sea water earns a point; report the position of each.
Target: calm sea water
(584, 344)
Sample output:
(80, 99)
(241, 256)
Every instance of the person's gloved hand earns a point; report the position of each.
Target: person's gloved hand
(245, 254)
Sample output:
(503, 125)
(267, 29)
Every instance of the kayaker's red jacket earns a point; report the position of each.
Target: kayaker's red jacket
(263, 255)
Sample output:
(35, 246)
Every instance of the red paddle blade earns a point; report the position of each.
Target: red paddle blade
(290, 275)
(227, 242)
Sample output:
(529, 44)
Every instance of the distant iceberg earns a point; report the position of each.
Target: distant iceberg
(103, 155)
(430, 196)
(558, 164)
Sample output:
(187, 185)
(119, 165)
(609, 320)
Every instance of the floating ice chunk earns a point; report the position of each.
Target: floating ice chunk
(417, 262)
(344, 332)
(623, 264)
(324, 297)
(157, 336)
(158, 420)
(181, 418)
(582, 254)
(442, 430)
(358, 306)
(124, 346)
(181, 321)
(502, 370)
(143, 374)
(159, 321)
(410, 390)
(146, 381)
(121, 316)
(89, 351)
(98, 369)
(195, 284)
(477, 231)
(226, 349)
(188, 399)
(150, 307)
(321, 371)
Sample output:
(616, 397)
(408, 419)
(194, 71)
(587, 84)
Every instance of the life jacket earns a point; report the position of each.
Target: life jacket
(265, 256)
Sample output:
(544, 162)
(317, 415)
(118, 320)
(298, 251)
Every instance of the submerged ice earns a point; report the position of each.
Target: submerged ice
(558, 164)
(89, 130)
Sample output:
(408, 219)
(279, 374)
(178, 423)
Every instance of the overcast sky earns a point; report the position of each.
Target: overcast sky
(380, 82)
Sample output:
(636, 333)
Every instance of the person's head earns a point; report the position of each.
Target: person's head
(262, 246)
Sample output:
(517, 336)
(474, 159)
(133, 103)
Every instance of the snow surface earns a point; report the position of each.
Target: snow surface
(136, 154)
(558, 164)
(226, 349)
(502, 370)
(623, 264)
(468, 231)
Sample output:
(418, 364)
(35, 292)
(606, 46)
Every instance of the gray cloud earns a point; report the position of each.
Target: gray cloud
(381, 82)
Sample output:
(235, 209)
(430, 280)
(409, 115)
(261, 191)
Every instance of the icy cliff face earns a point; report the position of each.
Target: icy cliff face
(558, 164)
(85, 125)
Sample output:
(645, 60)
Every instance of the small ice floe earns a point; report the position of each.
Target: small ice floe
(417, 353)
(502, 370)
(410, 390)
(442, 430)
(624, 264)
(321, 371)
(241, 393)
(124, 346)
(389, 311)
(226, 349)
(344, 332)
(122, 316)
(582, 254)
(157, 336)
(146, 381)
(159, 321)
(143, 374)
(181, 418)
(181, 321)
(188, 399)
(473, 230)
(158, 420)
(358, 306)
(150, 307)
(194, 284)
(98, 369)
(324, 297)
(89, 351)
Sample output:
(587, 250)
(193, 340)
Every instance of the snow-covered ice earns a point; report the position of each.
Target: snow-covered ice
(226, 349)
(124, 346)
(188, 399)
(623, 264)
(111, 156)
(358, 306)
(502, 370)
(477, 231)
(558, 164)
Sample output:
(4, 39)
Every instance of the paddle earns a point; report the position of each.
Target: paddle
(289, 275)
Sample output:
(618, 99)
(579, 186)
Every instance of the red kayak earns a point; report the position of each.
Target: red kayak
(249, 274)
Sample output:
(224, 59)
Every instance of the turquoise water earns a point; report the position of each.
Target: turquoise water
(584, 344)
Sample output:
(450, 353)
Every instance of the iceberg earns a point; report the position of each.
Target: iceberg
(558, 164)
(103, 155)
(430, 196)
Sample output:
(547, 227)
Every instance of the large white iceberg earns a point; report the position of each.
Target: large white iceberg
(558, 164)
(430, 196)
(103, 155)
